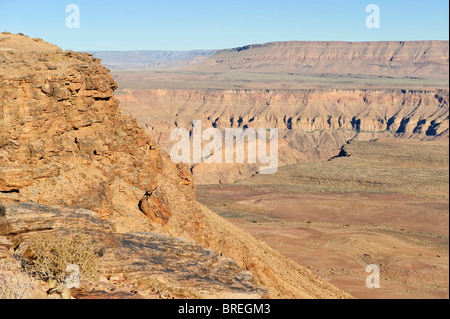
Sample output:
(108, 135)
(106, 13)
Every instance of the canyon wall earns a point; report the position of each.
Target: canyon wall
(313, 124)
(319, 95)
(398, 59)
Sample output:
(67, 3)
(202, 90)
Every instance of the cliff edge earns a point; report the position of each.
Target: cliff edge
(64, 142)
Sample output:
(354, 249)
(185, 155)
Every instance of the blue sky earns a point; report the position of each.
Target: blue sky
(211, 24)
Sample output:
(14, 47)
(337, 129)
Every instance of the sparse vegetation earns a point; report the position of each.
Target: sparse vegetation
(14, 282)
(385, 204)
(120, 134)
(238, 79)
(407, 168)
(54, 253)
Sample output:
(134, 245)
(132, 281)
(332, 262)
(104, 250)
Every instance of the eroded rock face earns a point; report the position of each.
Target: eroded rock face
(318, 94)
(173, 266)
(423, 59)
(63, 138)
(65, 142)
(313, 124)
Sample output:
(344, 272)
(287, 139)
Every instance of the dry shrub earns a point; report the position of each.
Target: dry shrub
(14, 282)
(54, 253)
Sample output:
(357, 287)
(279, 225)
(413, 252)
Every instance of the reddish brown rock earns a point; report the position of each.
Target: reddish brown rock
(79, 151)
(155, 262)
(154, 206)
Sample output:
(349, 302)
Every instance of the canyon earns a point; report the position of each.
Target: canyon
(403, 59)
(319, 95)
(313, 125)
(84, 149)
(66, 146)
(363, 153)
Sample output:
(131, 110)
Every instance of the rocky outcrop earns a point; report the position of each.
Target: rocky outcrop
(155, 207)
(172, 266)
(65, 142)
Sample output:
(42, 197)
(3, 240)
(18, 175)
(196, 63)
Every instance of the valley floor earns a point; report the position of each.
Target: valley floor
(387, 204)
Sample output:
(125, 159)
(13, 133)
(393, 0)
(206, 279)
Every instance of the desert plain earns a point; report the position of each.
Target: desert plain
(386, 204)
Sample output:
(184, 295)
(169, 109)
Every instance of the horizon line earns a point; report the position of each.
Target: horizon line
(270, 43)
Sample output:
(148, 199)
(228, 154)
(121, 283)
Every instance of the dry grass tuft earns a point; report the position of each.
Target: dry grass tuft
(14, 282)
(53, 254)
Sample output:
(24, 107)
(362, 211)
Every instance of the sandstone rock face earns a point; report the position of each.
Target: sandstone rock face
(313, 124)
(173, 266)
(65, 142)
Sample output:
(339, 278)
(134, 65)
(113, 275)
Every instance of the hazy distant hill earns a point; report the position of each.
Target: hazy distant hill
(141, 60)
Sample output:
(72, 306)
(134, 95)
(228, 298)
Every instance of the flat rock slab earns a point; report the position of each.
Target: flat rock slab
(153, 261)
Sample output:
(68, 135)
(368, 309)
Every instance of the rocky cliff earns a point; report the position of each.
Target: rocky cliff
(65, 142)
(313, 124)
